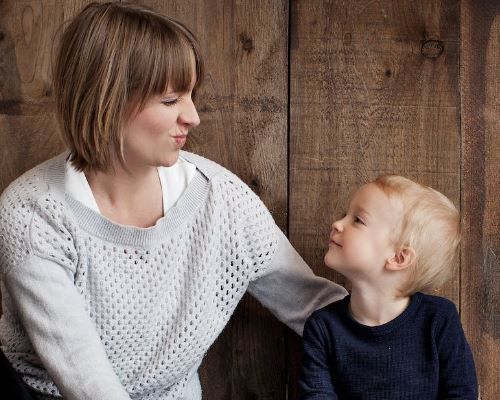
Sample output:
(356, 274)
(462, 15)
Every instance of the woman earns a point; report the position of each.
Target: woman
(123, 259)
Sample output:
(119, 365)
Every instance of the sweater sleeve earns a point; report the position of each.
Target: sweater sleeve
(289, 288)
(457, 375)
(61, 332)
(38, 265)
(281, 280)
(315, 378)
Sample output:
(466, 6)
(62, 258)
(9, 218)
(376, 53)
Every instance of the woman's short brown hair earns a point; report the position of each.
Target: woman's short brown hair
(112, 54)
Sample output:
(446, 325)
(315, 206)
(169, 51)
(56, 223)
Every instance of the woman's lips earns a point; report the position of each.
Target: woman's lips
(180, 139)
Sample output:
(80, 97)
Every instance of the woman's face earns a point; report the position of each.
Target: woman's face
(155, 135)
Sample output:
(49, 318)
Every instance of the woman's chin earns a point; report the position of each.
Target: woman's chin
(169, 160)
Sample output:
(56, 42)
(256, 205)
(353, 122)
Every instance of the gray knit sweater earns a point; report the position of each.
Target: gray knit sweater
(100, 311)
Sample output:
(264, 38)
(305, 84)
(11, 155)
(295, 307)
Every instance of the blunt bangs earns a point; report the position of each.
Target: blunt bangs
(165, 56)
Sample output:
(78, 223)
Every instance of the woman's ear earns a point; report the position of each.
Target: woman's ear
(402, 259)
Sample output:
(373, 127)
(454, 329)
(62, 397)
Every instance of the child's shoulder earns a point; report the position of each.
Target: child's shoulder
(438, 307)
(331, 310)
(437, 302)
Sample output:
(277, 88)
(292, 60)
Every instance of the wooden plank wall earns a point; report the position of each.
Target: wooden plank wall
(305, 100)
(480, 127)
(365, 100)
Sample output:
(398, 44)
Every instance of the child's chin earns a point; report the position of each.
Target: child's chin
(332, 264)
(336, 266)
(330, 260)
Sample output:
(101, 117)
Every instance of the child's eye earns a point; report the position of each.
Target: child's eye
(358, 220)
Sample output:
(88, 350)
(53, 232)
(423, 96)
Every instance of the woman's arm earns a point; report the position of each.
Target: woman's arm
(61, 332)
(38, 263)
(315, 378)
(281, 280)
(290, 289)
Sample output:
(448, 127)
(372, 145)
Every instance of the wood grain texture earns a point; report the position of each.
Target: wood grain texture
(374, 90)
(366, 101)
(480, 295)
(243, 101)
(26, 120)
(28, 126)
(243, 110)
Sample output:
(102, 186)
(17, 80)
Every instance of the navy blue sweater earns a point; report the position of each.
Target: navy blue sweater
(420, 355)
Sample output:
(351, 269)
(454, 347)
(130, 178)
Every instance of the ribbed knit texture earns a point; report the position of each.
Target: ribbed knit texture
(420, 355)
(156, 297)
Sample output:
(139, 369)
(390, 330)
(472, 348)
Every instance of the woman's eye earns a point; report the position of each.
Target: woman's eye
(170, 102)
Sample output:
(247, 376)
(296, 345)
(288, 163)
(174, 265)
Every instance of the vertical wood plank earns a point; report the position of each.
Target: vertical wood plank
(243, 111)
(480, 295)
(28, 126)
(26, 121)
(374, 90)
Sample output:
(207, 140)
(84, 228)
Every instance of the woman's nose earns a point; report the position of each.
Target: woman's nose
(189, 116)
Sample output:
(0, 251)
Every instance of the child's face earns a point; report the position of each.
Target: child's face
(362, 241)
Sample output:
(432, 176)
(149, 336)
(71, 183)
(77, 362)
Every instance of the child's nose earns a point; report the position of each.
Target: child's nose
(337, 226)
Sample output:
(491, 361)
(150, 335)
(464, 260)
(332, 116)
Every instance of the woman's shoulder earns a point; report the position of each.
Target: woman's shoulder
(220, 177)
(32, 184)
(207, 167)
(22, 197)
(21, 203)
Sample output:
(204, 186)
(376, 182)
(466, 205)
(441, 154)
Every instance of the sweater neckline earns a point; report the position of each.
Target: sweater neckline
(386, 328)
(99, 226)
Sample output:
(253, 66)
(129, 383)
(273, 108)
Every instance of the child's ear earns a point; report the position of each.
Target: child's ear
(401, 259)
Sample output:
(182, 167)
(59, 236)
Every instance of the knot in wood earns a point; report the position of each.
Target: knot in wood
(347, 39)
(432, 48)
(255, 185)
(246, 42)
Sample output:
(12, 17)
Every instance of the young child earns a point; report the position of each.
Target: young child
(387, 340)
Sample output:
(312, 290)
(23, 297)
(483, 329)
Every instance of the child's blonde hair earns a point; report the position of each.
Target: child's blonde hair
(112, 58)
(430, 225)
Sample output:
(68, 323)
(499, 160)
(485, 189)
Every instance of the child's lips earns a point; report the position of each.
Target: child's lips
(334, 243)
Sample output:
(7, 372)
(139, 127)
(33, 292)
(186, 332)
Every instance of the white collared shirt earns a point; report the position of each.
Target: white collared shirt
(174, 180)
